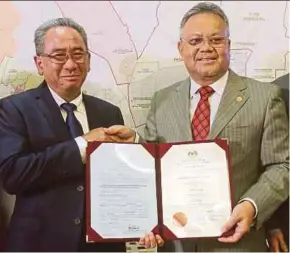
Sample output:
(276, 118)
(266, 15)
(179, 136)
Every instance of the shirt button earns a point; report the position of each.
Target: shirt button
(77, 221)
(80, 188)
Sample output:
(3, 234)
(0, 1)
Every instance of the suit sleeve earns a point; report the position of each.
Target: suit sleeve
(118, 118)
(23, 169)
(272, 188)
(150, 131)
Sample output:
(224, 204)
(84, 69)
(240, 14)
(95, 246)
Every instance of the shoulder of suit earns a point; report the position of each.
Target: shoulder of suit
(173, 87)
(27, 94)
(261, 91)
(252, 83)
(283, 81)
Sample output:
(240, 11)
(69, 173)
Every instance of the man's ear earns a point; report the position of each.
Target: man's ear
(180, 48)
(39, 64)
(89, 62)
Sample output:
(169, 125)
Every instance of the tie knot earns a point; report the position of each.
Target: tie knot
(205, 92)
(68, 107)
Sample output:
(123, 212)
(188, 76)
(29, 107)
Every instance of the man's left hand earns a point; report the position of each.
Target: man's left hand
(151, 241)
(240, 221)
(276, 241)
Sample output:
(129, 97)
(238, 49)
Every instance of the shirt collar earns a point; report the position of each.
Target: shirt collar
(59, 100)
(218, 86)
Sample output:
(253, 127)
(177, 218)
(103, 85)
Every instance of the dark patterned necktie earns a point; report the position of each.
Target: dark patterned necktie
(72, 123)
(201, 119)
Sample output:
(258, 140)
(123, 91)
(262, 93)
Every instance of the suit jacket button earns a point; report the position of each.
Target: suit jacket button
(80, 188)
(77, 221)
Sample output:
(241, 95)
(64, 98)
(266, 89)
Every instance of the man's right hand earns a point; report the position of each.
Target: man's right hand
(97, 134)
(277, 242)
(121, 133)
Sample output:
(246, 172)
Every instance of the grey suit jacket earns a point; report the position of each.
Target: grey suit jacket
(252, 116)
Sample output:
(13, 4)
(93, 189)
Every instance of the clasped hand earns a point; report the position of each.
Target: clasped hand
(116, 133)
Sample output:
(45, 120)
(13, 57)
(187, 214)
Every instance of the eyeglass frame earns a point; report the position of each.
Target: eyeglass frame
(208, 40)
(67, 56)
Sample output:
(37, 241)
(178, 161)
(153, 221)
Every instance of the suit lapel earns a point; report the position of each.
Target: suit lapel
(181, 106)
(93, 114)
(234, 97)
(51, 112)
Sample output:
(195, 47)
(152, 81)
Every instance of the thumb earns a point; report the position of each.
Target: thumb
(230, 223)
(282, 243)
(275, 246)
(113, 129)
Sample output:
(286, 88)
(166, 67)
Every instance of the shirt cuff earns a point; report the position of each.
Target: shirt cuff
(82, 144)
(137, 137)
(272, 231)
(253, 203)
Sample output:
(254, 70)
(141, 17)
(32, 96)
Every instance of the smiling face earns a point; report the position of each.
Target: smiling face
(66, 78)
(209, 59)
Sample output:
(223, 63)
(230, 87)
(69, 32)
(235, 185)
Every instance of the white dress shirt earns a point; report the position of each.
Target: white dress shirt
(81, 116)
(214, 100)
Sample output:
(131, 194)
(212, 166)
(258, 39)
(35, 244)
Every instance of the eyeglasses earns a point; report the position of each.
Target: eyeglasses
(216, 42)
(61, 58)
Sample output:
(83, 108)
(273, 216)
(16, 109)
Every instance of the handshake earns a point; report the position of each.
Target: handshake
(116, 133)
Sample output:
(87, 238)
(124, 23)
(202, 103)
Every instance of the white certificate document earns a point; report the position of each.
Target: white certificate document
(195, 184)
(123, 200)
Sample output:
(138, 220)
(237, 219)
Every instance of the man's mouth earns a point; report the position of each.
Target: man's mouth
(207, 59)
(74, 76)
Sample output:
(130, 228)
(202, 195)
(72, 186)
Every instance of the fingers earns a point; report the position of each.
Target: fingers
(151, 241)
(274, 245)
(147, 241)
(241, 229)
(230, 224)
(112, 134)
(96, 134)
(240, 221)
(284, 247)
(142, 241)
(160, 241)
(282, 243)
(121, 133)
(114, 129)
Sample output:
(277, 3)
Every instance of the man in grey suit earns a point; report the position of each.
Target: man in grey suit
(250, 114)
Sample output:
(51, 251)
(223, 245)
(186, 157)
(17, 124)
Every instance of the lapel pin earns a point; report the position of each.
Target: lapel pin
(239, 99)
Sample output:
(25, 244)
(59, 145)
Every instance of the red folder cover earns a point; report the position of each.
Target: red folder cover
(157, 151)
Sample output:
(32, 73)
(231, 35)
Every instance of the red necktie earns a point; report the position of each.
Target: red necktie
(200, 124)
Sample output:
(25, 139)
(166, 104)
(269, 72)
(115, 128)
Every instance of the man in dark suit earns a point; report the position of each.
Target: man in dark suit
(278, 225)
(44, 134)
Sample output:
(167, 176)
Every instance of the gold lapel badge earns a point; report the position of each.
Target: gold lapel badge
(239, 99)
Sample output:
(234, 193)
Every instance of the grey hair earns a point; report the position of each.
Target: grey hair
(58, 22)
(205, 7)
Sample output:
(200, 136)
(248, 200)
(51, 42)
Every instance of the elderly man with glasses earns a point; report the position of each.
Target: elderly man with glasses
(43, 137)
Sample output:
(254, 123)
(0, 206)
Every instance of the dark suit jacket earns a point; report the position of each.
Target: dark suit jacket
(280, 219)
(41, 164)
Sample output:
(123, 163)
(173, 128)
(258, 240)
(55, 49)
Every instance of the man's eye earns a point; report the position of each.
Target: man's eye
(59, 56)
(78, 55)
(196, 41)
(216, 40)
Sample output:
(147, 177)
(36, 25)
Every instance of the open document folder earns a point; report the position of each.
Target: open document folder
(178, 190)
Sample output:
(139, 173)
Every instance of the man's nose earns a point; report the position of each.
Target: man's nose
(70, 64)
(206, 46)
